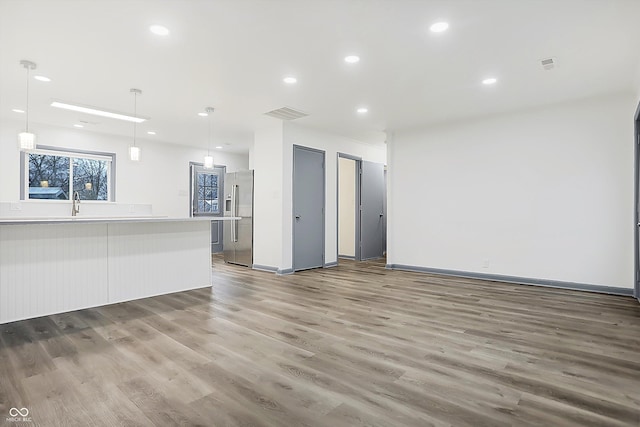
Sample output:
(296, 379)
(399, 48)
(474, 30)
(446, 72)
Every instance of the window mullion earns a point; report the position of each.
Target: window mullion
(70, 178)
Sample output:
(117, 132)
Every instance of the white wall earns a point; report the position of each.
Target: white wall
(346, 207)
(331, 144)
(541, 194)
(267, 162)
(161, 178)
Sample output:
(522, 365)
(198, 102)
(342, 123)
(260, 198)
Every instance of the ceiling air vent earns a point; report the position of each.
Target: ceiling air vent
(548, 63)
(286, 113)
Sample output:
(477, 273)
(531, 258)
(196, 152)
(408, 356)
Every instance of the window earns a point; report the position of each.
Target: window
(206, 185)
(57, 174)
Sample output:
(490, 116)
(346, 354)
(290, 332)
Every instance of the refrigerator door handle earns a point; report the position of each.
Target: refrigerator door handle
(235, 212)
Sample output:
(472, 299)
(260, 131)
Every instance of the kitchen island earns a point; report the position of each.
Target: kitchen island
(59, 264)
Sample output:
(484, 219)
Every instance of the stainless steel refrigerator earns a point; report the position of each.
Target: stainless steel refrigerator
(238, 202)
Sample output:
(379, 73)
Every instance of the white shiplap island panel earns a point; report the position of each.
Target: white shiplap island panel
(51, 269)
(155, 258)
(59, 266)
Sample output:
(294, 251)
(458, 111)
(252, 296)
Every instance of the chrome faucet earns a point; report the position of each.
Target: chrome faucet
(75, 208)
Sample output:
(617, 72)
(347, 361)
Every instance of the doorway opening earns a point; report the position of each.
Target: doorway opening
(348, 207)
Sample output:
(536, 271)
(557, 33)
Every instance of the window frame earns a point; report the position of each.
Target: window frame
(71, 154)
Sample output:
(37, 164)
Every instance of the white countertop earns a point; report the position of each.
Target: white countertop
(105, 219)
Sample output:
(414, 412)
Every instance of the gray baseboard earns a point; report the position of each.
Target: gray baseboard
(284, 271)
(517, 280)
(331, 264)
(265, 268)
(346, 256)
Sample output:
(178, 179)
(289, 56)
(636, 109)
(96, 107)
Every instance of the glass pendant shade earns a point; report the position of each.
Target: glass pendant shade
(208, 159)
(208, 162)
(134, 153)
(27, 141)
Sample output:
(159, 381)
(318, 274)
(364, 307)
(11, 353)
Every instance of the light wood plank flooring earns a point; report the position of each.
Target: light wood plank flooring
(347, 346)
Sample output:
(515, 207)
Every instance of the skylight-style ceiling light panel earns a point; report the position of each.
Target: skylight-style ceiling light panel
(97, 111)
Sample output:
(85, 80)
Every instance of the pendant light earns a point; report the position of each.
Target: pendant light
(134, 151)
(26, 139)
(208, 159)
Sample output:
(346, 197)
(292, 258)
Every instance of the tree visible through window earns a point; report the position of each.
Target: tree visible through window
(57, 175)
(48, 177)
(208, 193)
(90, 179)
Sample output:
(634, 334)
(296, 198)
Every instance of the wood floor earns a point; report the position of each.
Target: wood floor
(346, 346)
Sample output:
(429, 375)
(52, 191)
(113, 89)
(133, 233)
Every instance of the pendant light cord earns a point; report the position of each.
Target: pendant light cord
(28, 67)
(210, 133)
(135, 113)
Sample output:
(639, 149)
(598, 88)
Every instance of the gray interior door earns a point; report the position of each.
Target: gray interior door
(636, 291)
(372, 190)
(206, 199)
(384, 213)
(217, 226)
(308, 208)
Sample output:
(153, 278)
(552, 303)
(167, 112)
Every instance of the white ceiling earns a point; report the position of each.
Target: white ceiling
(233, 54)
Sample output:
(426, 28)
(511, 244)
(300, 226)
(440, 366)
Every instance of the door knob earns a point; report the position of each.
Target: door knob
(297, 216)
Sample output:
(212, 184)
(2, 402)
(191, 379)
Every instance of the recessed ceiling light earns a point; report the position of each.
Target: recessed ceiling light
(203, 114)
(151, 132)
(290, 80)
(352, 59)
(219, 147)
(159, 30)
(489, 81)
(362, 110)
(17, 110)
(439, 27)
(78, 125)
(42, 78)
